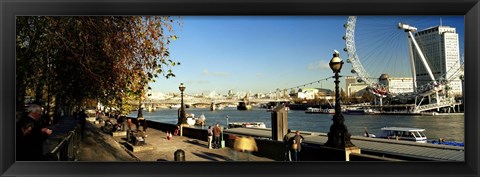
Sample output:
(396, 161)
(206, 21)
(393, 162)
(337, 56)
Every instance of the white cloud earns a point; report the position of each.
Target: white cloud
(320, 65)
(205, 72)
(198, 82)
(259, 75)
(215, 74)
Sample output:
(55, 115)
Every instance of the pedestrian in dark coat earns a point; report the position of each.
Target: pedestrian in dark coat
(24, 128)
(82, 120)
(31, 148)
(288, 141)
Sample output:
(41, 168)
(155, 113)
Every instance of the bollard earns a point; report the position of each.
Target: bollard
(179, 155)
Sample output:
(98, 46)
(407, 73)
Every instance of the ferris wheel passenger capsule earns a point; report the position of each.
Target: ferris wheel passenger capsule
(344, 37)
(406, 27)
(353, 71)
(345, 49)
(349, 60)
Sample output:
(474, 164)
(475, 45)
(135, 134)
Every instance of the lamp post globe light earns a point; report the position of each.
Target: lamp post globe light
(338, 136)
(182, 118)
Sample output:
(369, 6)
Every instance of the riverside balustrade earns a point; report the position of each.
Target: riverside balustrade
(67, 148)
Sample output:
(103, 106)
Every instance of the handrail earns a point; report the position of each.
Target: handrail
(70, 134)
(441, 104)
(67, 148)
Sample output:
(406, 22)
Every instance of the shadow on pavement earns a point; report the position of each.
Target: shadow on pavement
(217, 156)
(205, 156)
(195, 142)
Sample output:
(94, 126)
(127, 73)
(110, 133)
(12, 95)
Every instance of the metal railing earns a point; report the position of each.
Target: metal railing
(68, 148)
(443, 103)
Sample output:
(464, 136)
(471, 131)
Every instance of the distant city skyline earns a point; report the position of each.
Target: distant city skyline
(259, 54)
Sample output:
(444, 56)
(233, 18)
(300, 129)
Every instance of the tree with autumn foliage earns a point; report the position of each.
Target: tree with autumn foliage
(70, 62)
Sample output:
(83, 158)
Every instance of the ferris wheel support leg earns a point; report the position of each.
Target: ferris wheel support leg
(422, 57)
(412, 63)
(381, 103)
(418, 105)
(438, 101)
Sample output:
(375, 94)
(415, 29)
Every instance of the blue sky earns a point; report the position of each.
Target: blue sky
(255, 53)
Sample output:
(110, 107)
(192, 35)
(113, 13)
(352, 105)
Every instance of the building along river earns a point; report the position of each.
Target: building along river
(451, 127)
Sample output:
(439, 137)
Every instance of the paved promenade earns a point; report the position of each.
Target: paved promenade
(99, 146)
(423, 151)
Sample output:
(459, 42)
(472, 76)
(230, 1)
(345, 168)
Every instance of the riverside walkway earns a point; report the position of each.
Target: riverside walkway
(99, 146)
(375, 146)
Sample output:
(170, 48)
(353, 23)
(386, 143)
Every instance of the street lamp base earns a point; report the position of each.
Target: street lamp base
(181, 128)
(338, 137)
(339, 154)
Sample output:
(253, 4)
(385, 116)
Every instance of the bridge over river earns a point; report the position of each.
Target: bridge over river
(202, 102)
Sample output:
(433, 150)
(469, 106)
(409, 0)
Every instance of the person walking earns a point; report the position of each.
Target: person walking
(297, 145)
(24, 127)
(288, 141)
(32, 148)
(216, 133)
(210, 136)
(82, 120)
(121, 121)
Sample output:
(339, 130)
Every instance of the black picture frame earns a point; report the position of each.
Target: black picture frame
(9, 9)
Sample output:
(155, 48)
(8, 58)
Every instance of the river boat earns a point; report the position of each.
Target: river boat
(192, 120)
(311, 110)
(231, 106)
(175, 106)
(361, 111)
(411, 134)
(429, 113)
(404, 133)
(449, 143)
(200, 120)
(247, 125)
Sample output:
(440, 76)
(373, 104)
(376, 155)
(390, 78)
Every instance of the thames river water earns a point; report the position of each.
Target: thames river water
(451, 128)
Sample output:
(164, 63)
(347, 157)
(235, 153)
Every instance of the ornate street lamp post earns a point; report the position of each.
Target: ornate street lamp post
(462, 78)
(338, 136)
(182, 118)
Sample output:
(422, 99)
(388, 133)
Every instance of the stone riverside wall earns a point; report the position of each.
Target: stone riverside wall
(273, 149)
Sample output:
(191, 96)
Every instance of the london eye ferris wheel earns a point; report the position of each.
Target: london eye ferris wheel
(384, 46)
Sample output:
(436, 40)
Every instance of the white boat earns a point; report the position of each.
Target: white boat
(175, 106)
(231, 106)
(246, 125)
(429, 113)
(191, 121)
(311, 110)
(361, 111)
(404, 133)
(200, 120)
